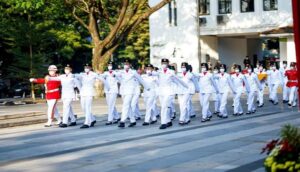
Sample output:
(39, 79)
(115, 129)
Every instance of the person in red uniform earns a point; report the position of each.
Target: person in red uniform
(52, 89)
(292, 84)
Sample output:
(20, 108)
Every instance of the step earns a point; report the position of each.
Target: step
(22, 121)
(21, 115)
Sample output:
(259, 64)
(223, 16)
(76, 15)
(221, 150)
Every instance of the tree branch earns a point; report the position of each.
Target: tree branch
(79, 19)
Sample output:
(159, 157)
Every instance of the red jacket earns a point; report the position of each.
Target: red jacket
(52, 88)
(292, 78)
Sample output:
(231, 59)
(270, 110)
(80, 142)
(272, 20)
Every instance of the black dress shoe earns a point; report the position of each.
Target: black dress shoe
(271, 101)
(209, 117)
(146, 123)
(153, 122)
(157, 116)
(253, 111)
(224, 117)
(290, 105)
(193, 116)
(257, 101)
(275, 103)
(63, 125)
(138, 118)
(84, 126)
(248, 113)
(204, 119)
(169, 124)
(93, 123)
(181, 123)
(174, 117)
(163, 126)
(187, 122)
(240, 114)
(119, 119)
(121, 125)
(220, 116)
(235, 114)
(132, 124)
(72, 124)
(260, 105)
(285, 101)
(215, 113)
(108, 123)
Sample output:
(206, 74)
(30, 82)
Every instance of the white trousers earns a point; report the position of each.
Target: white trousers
(150, 108)
(285, 92)
(237, 102)
(127, 108)
(86, 105)
(191, 108)
(260, 94)
(223, 102)
(165, 103)
(204, 102)
(184, 100)
(172, 106)
(68, 110)
(293, 96)
(273, 94)
(52, 111)
(250, 100)
(217, 102)
(134, 105)
(112, 110)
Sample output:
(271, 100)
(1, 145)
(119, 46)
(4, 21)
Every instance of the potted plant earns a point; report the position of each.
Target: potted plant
(284, 153)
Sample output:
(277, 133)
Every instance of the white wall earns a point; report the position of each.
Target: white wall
(291, 51)
(183, 38)
(250, 22)
(232, 50)
(209, 46)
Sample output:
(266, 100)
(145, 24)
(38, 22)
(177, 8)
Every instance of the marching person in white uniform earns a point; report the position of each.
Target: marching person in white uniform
(111, 94)
(239, 81)
(87, 92)
(216, 96)
(128, 79)
(285, 89)
(135, 100)
(255, 87)
(262, 77)
(207, 86)
(191, 110)
(275, 80)
(68, 84)
(150, 95)
(166, 78)
(225, 85)
(185, 94)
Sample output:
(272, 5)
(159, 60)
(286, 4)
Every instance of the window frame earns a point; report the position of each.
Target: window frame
(271, 8)
(253, 1)
(206, 5)
(227, 3)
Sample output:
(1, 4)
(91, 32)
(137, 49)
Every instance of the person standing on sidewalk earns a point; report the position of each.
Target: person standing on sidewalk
(52, 89)
(275, 80)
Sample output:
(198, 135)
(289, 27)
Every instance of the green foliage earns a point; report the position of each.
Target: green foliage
(292, 135)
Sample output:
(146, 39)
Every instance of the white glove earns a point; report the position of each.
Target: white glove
(31, 79)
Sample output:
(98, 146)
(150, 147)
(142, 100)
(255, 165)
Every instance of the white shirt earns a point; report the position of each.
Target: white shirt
(253, 81)
(128, 81)
(207, 83)
(88, 83)
(275, 77)
(238, 81)
(152, 82)
(68, 83)
(112, 80)
(224, 83)
(187, 78)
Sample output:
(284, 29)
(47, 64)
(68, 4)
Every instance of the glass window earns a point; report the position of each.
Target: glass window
(203, 7)
(170, 13)
(270, 5)
(247, 5)
(225, 6)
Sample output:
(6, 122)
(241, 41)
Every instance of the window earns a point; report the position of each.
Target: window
(170, 13)
(203, 7)
(224, 6)
(247, 5)
(172, 6)
(270, 5)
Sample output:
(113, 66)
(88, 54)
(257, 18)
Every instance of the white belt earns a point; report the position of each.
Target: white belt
(51, 91)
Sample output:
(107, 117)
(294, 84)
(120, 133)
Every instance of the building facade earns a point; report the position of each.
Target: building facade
(198, 31)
